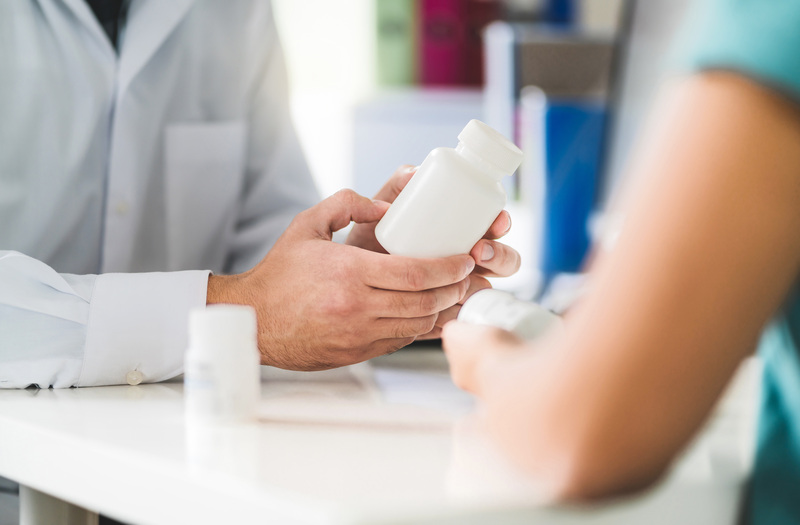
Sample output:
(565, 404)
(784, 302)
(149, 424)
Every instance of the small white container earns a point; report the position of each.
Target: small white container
(453, 199)
(222, 381)
(502, 310)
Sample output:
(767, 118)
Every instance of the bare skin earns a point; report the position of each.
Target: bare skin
(324, 305)
(493, 258)
(709, 250)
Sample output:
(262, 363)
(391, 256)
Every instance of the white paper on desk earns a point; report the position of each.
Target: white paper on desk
(429, 390)
(374, 397)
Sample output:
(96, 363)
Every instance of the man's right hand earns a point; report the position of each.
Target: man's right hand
(323, 305)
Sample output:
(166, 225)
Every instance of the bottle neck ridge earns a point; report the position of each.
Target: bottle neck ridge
(489, 169)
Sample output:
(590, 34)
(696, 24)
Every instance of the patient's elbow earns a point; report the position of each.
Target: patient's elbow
(594, 471)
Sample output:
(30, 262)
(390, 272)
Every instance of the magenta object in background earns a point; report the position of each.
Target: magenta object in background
(451, 49)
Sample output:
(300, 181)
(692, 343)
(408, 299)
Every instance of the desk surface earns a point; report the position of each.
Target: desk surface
(390, 442)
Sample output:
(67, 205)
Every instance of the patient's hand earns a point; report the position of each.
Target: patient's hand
(476, 352)
(493, 259)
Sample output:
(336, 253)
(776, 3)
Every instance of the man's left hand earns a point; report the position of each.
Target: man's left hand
(493, 259)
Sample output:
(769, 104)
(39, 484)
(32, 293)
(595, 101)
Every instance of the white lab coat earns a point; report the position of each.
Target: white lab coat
(176, 156)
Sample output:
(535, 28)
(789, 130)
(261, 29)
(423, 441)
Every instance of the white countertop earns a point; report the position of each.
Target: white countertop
(391, 442)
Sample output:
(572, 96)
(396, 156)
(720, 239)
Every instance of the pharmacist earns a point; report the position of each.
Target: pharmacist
(150, 142)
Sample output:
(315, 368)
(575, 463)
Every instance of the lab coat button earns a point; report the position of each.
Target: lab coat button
(122, 207)
(134, 378)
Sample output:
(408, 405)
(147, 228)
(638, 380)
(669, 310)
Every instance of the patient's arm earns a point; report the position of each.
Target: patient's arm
(710, 247)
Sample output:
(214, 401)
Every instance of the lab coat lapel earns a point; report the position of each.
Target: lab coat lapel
(149, 24)
(85, 16)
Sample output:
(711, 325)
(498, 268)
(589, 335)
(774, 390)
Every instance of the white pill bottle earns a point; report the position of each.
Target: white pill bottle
(502, 310)
(222, 381)
(453, 199)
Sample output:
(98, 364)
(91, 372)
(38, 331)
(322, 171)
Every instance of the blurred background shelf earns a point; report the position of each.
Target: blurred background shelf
(376, 84)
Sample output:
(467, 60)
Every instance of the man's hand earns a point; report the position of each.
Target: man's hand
(494, 259)
(323, 305)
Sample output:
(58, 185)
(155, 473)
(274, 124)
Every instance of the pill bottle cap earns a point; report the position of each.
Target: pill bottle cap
(222, 330)
(496, 154)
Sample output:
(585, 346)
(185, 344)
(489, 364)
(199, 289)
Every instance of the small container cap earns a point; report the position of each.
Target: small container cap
(491, 147)
(222, 327)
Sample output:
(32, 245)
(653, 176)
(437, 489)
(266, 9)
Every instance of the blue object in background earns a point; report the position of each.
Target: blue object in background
(573, 144)
(560, 12)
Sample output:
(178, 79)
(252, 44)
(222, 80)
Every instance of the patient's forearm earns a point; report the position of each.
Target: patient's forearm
(709, 249)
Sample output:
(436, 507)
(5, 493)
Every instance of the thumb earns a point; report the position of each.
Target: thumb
(338, 210)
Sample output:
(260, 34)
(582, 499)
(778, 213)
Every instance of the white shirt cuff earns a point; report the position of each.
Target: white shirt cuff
(140, 322)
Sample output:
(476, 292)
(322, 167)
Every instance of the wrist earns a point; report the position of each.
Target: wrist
(223, 289)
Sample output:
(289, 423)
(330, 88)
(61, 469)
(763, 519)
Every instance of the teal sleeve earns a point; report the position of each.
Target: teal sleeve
(757, 38)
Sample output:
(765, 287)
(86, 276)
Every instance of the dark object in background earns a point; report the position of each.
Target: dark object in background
(563, 63)
(111, 16)
(560, 12)
(557, 12)
(572, 71)
(451, 47)
(440, 42)
(108, 521)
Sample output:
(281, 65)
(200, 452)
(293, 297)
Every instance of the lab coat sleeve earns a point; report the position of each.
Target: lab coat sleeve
(278, 181)
(64, 330)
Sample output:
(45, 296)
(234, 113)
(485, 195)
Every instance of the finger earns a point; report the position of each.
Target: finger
(338, 210)
(500, 227)
(396, 183)
(497, 259)
(458, 335)
(476, 284)
(391, 272)
(463, 354)
(445, 316)
(385, 303)
(436, 333)
(466, 346)
(387, 346)
(404, 328)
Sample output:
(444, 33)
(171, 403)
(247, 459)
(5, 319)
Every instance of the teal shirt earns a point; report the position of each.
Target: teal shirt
(761, 40)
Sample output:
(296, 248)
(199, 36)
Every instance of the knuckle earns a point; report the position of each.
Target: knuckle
(342, 304)
(398, 302)
(428, 323)
(456, 271)
(345, 193)
(416, 327)
(401, 331)
(428, 303)
(301, 218)
(415, 277)
(347, 197)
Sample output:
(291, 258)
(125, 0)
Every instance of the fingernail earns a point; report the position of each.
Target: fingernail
(487, 253)
(509, 223)
(470, 265)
